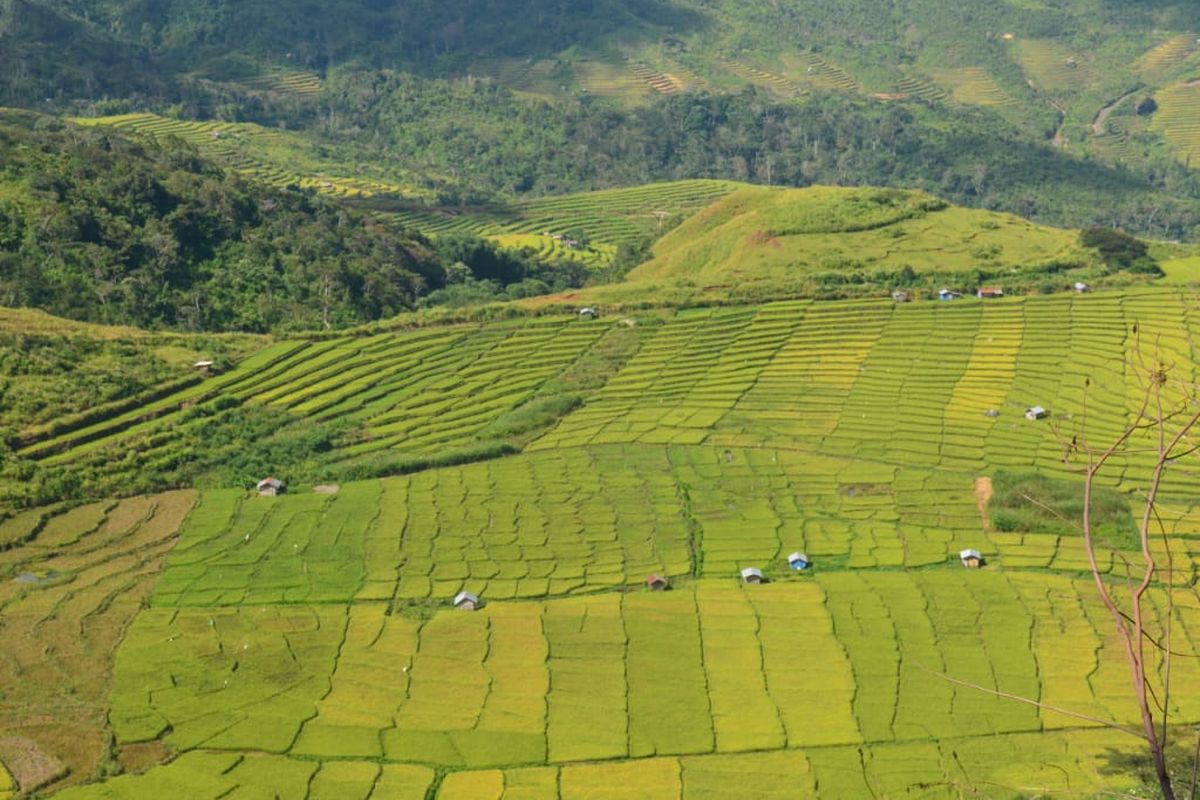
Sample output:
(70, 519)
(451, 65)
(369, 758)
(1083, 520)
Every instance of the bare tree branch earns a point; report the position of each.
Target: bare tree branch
(1037, 703)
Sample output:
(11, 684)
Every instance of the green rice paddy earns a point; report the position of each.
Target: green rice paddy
(306, 645)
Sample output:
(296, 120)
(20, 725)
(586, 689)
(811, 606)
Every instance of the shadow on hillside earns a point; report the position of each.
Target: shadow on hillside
(414, 34)
(1135, 762)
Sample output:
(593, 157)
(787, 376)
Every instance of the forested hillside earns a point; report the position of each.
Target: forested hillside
(94, 226)
(487, 141)
(1076, 112)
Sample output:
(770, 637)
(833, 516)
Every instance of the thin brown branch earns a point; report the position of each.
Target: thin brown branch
(1037, 703)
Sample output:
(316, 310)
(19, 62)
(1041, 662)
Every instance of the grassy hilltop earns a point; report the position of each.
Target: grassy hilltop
(765, 235)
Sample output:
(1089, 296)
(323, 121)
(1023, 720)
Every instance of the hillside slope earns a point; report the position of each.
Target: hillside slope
(759, 243)
(761, 234)
(305, 644)
(97, 227)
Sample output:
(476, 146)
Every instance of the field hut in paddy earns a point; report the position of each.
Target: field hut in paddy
(204, 366)
(658, 583)
(799, 561)
(946, 294)
(269, 487)
(1082, 288)
(971, 558)
(1034, 413)
(588, 313)
(989, 291)
(465, 601)
(901, 296)
(753, 575)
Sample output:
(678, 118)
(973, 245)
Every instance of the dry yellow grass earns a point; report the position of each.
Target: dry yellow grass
(61, 624)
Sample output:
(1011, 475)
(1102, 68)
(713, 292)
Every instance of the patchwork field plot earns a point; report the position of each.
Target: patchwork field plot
(840, 772)
(213, 775)
(707, 670)
(523, 527)
(306, 644)
(901, 384)
(611, 216)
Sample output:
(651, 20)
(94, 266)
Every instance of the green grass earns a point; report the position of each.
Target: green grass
(771, 235)
(1038, 504)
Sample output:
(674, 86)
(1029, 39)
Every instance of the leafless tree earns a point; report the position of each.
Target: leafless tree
(1164, 429)
(1161, 432)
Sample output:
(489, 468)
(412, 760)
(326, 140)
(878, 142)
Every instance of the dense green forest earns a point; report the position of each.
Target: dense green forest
(492, 142)
(96, 227)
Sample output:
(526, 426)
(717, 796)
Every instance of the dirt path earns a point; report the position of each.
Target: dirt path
(983, 495)
(1103, 114)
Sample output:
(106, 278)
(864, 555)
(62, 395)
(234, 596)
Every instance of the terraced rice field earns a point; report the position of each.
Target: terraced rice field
(611, 79)
(760, 77)
(818, 73)
(549, 248)
(920, 87)
(972, 85)
(306, 644)
(1168, 55)
(286, 81)
(239, 145)
(397, 395)
(610, 216)
(527, 75)
(661, 82)
(1178, 120)
(1118, 142)
(1052, 67)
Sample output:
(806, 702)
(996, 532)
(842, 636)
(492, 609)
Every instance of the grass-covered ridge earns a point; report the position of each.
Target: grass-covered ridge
(821, 242)
(762, 234)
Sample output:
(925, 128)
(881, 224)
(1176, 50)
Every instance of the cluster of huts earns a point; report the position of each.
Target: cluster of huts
(983, 292)
(574, 244)
(970, 558)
